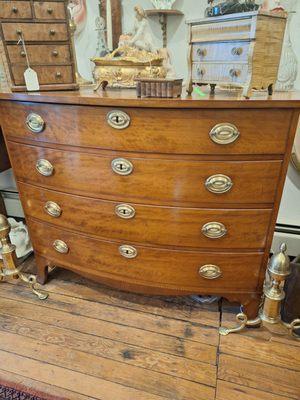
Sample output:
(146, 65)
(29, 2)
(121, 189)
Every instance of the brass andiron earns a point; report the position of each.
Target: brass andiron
(8, 269)
(278, 271)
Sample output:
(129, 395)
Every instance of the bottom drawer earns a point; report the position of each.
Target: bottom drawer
(150, 267)
(223, 72)
(47, 75)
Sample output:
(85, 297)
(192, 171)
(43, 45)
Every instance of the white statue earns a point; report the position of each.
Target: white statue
(141, 36)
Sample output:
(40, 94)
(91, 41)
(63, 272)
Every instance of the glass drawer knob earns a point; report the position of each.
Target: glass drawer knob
(118, 119)
(121, 166)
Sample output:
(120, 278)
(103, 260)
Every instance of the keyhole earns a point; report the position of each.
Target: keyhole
(124, 212)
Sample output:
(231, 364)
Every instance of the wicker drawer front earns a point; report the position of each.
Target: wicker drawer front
(223, 30)
(152, 181)
(152, 130)
(37, 54)
(166, 226)
(224, 73)
(49, 10)
(46, 74)
(15, 9)
(35, 32)
(233, 51)
(157, 268)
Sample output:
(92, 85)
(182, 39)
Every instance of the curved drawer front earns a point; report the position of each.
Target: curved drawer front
(152, 130)
(170, 226)
(154, 181)
(231, 51)
(156, 268)
(206, 72)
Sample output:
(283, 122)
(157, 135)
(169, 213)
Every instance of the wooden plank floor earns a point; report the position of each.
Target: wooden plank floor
(90, 342)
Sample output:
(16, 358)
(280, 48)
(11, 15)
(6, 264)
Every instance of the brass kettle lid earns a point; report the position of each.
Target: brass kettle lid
(280, 263)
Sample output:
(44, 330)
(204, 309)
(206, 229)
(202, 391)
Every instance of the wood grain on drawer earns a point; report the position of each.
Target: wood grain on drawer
(152, 130)
(152, 180)
(222, 31)
(35, 32)
(49, 10)
(228, 51)
(15, 9)
(206, 72)
(153, 267)
(46, 74)
(170, 226)
(40, 54)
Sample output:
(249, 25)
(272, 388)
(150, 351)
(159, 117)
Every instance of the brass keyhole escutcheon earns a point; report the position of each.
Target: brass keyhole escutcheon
(118, 119)
(121, 166)
(128, 251)
(125, 211)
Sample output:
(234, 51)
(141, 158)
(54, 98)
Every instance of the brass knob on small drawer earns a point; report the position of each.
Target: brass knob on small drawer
(44, 167)
(52, 32)
(58, 74)
(53, 209)
(50, 11)
(125, 211)
(210, 271)
(201, 52)
(55, 53)
(128, 251)
(19, 32)
(121, 166)
(23, 54)
(224, 133)
(35, 123)
(61, 247)
(237, 51)
(118, 119)
(218, 184)
(15, 10)
(214, 230)
(234, 73)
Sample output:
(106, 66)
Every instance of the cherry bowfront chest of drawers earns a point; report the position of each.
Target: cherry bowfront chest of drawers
(154, 196)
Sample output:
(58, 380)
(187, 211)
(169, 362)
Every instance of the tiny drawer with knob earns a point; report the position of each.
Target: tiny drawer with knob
(209, 72)
(15, 9)
(225, 51)
(50, 74)
(151, 266)
(50, 54)
(33, 32)
(49, 10)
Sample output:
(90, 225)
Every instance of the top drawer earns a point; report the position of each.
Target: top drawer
(15, 9)
(150, 130)
(49, 10)
(35, 32)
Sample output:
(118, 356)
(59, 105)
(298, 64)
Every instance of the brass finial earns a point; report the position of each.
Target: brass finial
(4, 227)
(279, 264)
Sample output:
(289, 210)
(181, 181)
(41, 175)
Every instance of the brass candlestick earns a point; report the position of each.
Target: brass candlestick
(278, 270)
(8, 269)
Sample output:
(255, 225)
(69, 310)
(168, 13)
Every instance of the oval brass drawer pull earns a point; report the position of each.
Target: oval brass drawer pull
(218, 183)
(44, 167)
(121, 166)
(214, 230)
(224, 133)
(35, 122)
(53, 209)
(128, 251)
(210, 271)
(125, 211)
(61, 247)
(118, 119)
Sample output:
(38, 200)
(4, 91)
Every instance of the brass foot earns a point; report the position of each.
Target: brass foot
(292, 327)
(243, 322)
